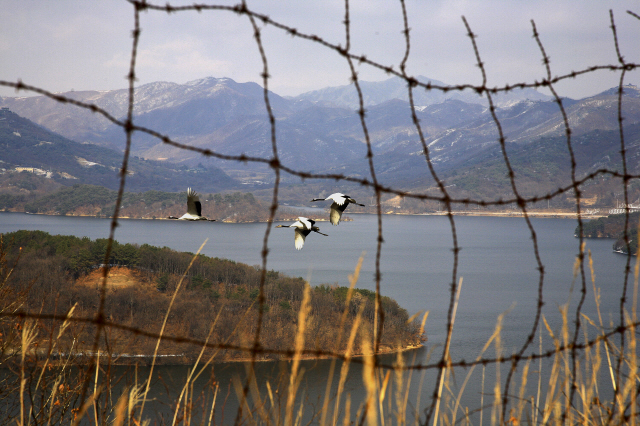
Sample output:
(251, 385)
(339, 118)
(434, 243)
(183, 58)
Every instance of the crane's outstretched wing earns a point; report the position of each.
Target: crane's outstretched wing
(335, 216)
(193, 203)
(305, 223)
(339, 199)
(352, 201)
(336, 212)
(300, 234)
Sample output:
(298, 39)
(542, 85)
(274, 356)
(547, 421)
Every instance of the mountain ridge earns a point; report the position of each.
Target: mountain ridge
(28, 147)
(375, 93)
(316, 136)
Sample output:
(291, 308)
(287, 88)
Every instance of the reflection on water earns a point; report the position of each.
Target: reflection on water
(169, 382)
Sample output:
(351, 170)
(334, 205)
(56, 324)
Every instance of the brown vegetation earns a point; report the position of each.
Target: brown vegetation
(117, 277)
(219, 296)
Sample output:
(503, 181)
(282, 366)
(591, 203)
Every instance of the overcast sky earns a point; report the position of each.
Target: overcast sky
(85, 45)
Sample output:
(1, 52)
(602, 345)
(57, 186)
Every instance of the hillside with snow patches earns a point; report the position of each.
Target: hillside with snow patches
(320, 132)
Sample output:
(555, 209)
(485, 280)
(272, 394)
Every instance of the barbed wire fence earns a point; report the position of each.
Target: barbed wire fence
(574, 347)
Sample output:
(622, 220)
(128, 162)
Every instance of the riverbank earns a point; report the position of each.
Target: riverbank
(84, 358)
(233, 220)
(310, 357)
(537, 214)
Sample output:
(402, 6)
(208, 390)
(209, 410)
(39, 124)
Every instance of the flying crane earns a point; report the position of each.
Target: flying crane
(194, 208)
(302, 227)
(340, 203)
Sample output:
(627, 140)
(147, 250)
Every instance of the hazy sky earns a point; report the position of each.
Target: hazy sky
(79, 44)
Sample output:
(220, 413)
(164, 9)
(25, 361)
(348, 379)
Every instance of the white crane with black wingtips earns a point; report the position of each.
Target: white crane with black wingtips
(340, 203)
(302, 227)
(194, 208)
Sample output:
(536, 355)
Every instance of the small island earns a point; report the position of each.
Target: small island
(50, 275)
(613, 227)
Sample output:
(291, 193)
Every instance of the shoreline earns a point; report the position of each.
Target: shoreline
(515, 214)
(536, 214)
(182, 359)
(304, 357)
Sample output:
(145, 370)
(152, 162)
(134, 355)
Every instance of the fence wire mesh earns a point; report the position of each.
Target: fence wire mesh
(572, 350)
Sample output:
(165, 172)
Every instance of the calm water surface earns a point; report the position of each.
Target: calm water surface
(497, 264)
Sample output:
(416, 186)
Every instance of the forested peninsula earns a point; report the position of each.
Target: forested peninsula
(613, 227)
(50, 275)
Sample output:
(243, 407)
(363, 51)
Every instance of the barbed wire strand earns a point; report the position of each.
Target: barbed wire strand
(577, 195)
(625, 182)
(363, 59)
(275, 165)
(520, 203)
(320, 353)
(449, 213)
(379, 313)
(128, 128)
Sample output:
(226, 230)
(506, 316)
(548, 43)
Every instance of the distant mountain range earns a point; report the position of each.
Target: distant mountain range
(30, 148)
(378, 92)
(319, 131)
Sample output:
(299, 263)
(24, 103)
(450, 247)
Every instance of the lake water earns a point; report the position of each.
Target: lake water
(497, 264)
